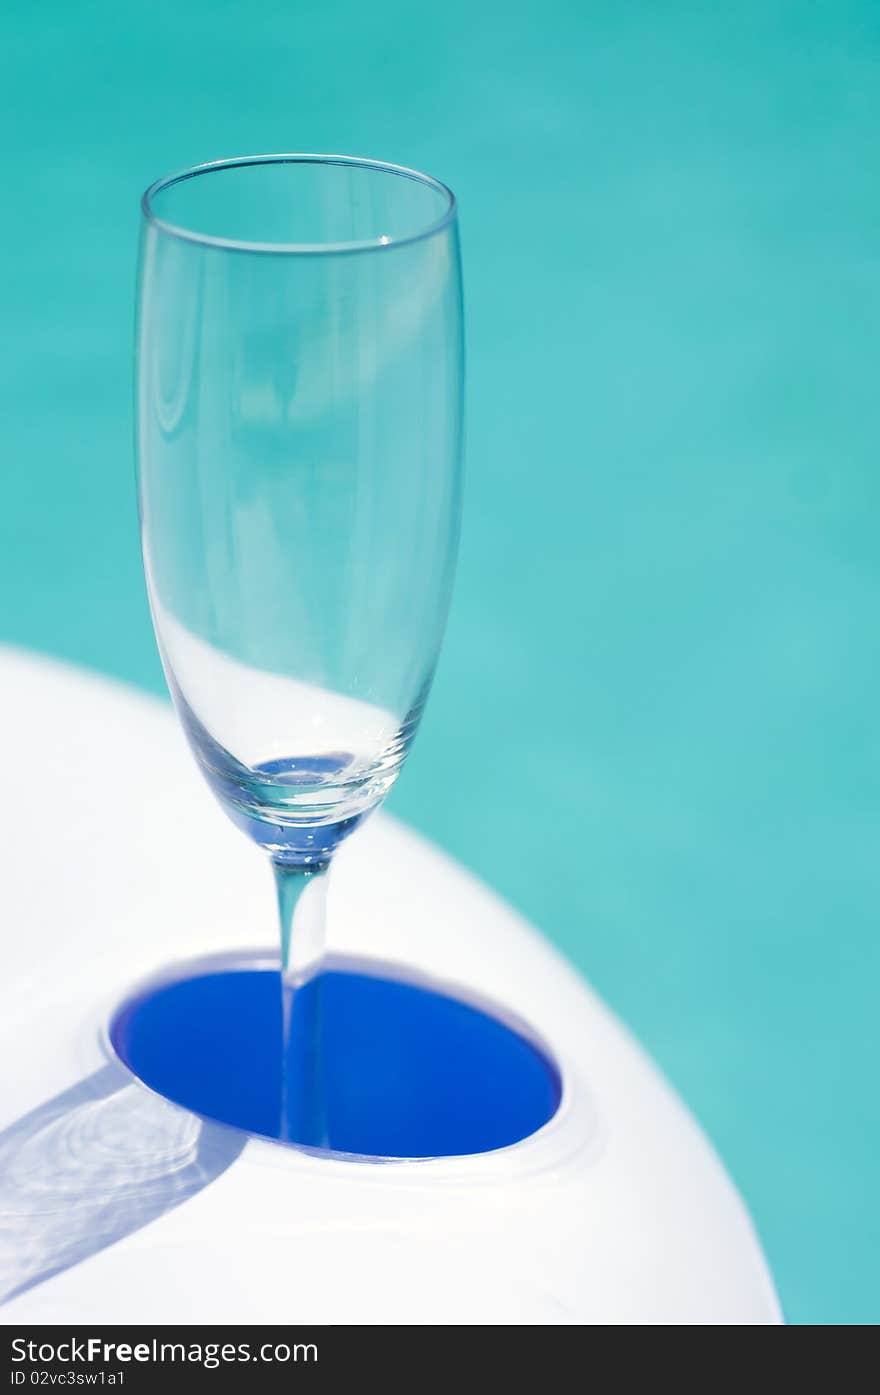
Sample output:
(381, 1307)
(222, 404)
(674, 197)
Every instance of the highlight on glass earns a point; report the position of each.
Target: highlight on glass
(299, 433)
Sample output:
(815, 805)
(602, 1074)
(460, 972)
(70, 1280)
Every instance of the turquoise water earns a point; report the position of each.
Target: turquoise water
(661, 669)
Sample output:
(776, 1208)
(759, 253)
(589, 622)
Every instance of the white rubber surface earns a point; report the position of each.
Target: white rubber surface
(115, 861)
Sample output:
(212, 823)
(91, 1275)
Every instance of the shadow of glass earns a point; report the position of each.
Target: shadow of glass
(92, 1165)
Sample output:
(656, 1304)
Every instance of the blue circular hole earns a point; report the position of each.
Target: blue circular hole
(408, 1072)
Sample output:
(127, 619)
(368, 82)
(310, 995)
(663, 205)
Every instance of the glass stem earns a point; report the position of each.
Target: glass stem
(302, 892)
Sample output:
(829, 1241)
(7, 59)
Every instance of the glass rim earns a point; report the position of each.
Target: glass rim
(232, 244)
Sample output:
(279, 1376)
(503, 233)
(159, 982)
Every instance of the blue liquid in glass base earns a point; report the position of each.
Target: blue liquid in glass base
(407, 1072)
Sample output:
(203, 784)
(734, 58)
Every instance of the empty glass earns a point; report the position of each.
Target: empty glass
(299, 446)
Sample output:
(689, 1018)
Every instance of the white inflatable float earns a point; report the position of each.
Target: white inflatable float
(118, 1207)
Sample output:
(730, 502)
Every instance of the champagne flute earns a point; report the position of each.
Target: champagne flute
(299, 427)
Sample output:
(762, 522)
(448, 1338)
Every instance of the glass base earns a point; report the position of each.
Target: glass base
(406, 1071)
